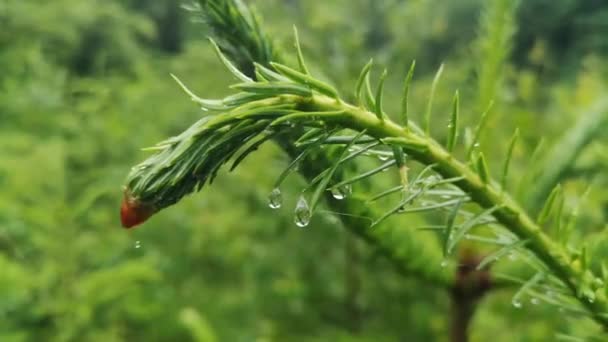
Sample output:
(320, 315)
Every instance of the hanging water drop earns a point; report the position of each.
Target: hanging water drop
(534, 301)
(383, 157)
(302, 213)
(413, 187)
(347, 189)
(337, 194)
(137, 244)
(444, 263)
(516, 303)
(275, 199)
(341, 192)
(332, 219)
(505, 239)
(430, 180)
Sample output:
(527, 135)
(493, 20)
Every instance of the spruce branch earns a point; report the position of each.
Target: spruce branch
(185, 163)
(238, 32)
(236, 29)
(559, 161)
(497, 28)
(294, 109)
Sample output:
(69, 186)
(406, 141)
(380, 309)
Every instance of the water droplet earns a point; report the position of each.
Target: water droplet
(137, 244)
(333, 219)
(534, 301)
(516, 303)
(385, 169)
(413, 187)
(275, 199)
(337, 194)
(383, 157)
(598, 282)
(430, 180)
(401, 209)
(444, 263)
(302, 213)
(342, 192)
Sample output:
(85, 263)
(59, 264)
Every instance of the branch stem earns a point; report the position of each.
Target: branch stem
(485, 194)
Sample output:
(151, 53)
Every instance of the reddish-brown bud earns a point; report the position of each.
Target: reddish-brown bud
(133, 212)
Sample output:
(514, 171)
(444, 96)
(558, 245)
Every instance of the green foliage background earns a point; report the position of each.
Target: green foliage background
(85, 84)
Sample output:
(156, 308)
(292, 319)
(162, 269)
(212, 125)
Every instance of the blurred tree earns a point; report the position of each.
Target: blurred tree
(85, 84)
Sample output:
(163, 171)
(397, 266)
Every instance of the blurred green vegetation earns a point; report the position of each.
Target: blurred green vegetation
(85, 84)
